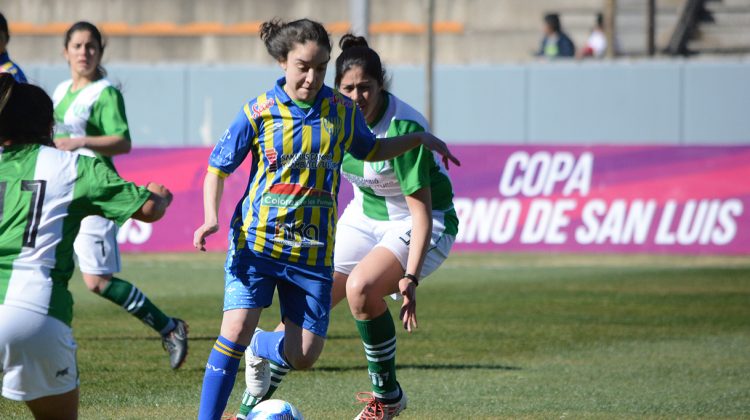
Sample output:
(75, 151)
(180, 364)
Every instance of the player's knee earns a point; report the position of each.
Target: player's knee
(357, 287)
(303, 361)
(236, 331)
(95, 283)
(358, 291)
(302, 358)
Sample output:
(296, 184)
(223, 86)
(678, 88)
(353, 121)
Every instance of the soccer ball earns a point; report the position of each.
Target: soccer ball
(275, 410)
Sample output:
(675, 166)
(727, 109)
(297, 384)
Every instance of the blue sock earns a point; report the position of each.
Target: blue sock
(270, 345)
(218, 381)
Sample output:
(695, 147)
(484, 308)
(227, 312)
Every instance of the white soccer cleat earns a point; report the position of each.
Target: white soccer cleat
(377, 410)
(257, 373)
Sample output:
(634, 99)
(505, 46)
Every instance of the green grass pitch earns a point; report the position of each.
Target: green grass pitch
(500, 336)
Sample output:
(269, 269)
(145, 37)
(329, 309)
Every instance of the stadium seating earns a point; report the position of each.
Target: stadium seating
(468, 31)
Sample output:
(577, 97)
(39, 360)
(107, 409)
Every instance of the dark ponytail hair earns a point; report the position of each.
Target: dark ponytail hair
(553, 20)
(356, 52)
(26, 113)
(4, 32)
(94, 31)
(280, 36)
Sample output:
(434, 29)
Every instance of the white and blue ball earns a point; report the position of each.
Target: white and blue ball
(275, 410)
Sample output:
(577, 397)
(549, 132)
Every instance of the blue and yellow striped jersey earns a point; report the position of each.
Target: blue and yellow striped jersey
(8, 66)
(289, 208)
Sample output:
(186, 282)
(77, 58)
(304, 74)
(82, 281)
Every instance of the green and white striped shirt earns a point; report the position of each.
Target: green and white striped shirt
(98, 109)
(381, 187)
(44, 194)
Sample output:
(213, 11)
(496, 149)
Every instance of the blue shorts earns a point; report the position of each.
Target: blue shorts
(304, 291)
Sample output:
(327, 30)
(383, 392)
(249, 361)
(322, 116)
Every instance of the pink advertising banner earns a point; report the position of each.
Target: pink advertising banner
(615, 199)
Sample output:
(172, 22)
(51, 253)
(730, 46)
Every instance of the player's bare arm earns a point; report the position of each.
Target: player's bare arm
(154, 209)
(420, 209)
(104, 145)
(396, 146)
(213, 189)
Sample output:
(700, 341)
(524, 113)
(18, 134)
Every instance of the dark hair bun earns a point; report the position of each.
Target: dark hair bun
(350, 41)
(269, 29)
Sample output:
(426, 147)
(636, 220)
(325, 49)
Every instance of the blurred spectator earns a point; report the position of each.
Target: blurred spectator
(596, 44)
(6, 65)
(555, 42)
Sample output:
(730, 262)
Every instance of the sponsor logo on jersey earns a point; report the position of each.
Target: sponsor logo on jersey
(271, 156)
(338, 98)
(62, 372)
(376, 182)
(333, 125)
(81, 110)
(308, 161)
(295, 195)
(379, 167)
(298, 234)
(258, 108)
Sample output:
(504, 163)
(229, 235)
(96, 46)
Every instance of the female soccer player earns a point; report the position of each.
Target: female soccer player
(282, 231)
(44, 194)
(398, 229)
(90, 120)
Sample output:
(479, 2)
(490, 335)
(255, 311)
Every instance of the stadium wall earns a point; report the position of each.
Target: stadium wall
(622, 157)
(680, 102)
(591, 199)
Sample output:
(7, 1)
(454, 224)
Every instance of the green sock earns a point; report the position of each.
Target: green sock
(249, 402)
(379, 338)
(137, 304)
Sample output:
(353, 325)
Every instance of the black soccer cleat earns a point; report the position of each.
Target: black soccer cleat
(175, 343)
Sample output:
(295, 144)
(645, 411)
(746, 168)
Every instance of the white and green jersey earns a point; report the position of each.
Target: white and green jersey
(98, 109)
(44, 194)
(381, 187)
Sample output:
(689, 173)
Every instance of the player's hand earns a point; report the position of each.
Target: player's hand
(69, 144)
(408, 314)
(200, 235)
(435, 144)
(161, 191)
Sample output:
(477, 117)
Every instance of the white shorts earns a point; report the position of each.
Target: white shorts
(37, 355)
(96, 246)
(357, 235)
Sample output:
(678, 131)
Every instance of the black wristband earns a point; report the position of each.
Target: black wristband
(412, 277)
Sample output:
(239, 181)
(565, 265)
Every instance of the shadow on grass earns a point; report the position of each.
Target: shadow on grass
(425, 366)
(191, 337)
(416, 366)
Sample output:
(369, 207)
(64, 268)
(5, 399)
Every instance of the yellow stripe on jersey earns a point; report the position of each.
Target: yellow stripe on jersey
(252, 191)
(249, 115)
(352, 123)
(304, 178)
(337, 157)
(286, 174)
(374, 150)
(265, 144)
(218, 172)
(325, 145)
(7, 66)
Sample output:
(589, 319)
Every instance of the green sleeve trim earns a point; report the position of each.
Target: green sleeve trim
(413, 168)
(108, 116)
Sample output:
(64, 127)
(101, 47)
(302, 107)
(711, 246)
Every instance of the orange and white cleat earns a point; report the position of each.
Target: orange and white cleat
(378, 410)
